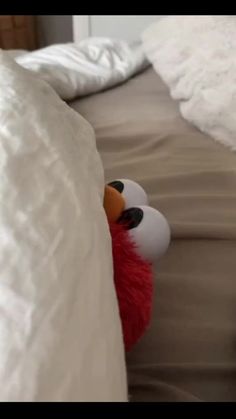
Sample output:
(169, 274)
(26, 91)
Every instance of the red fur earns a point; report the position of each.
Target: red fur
(134, 285)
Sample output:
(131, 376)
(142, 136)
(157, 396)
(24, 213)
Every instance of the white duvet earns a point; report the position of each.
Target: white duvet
(60, 333)
(92, 65)
(196, 57)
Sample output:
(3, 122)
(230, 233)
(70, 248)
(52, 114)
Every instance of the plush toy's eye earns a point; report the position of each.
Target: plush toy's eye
(148, 229)
(117, 184)
(131, 217)
(131, 191)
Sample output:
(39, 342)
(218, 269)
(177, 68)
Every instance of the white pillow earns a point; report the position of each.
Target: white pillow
(60, 332)
(78, 69)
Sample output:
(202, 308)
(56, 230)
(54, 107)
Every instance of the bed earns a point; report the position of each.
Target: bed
(189, 351)
(60, 318)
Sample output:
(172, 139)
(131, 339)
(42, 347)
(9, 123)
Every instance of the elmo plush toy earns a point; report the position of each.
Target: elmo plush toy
(140, 235)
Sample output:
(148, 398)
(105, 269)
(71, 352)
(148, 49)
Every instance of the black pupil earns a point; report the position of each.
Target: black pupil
(118, 185)
(131, 217)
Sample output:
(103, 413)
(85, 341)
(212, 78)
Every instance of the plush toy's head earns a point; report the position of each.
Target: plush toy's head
(140, 234)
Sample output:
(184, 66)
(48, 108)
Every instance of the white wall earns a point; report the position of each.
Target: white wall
(54, 29)
(127, 27)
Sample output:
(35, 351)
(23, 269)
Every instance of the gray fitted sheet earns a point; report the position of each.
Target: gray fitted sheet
(189, 351)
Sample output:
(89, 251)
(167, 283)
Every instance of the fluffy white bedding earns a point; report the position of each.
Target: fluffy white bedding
(87, 67)
(196, 57)
(60, 333)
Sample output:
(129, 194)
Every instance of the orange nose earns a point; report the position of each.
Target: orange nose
(113, 203)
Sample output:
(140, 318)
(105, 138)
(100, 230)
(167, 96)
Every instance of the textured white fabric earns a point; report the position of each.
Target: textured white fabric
(87, 67)
(196, 57)
(14, 53)
(60, 333)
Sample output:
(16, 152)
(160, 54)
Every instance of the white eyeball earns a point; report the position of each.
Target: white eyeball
(149, 230)
(132, 192)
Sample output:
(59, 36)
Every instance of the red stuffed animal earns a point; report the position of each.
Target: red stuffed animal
(140, 234)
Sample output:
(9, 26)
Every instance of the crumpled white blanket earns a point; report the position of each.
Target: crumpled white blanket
(60, 331)
(196, 58)
(78, 69)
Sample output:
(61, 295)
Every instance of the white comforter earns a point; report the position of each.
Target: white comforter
(60, 333)
(78, 69)
(196, 57)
